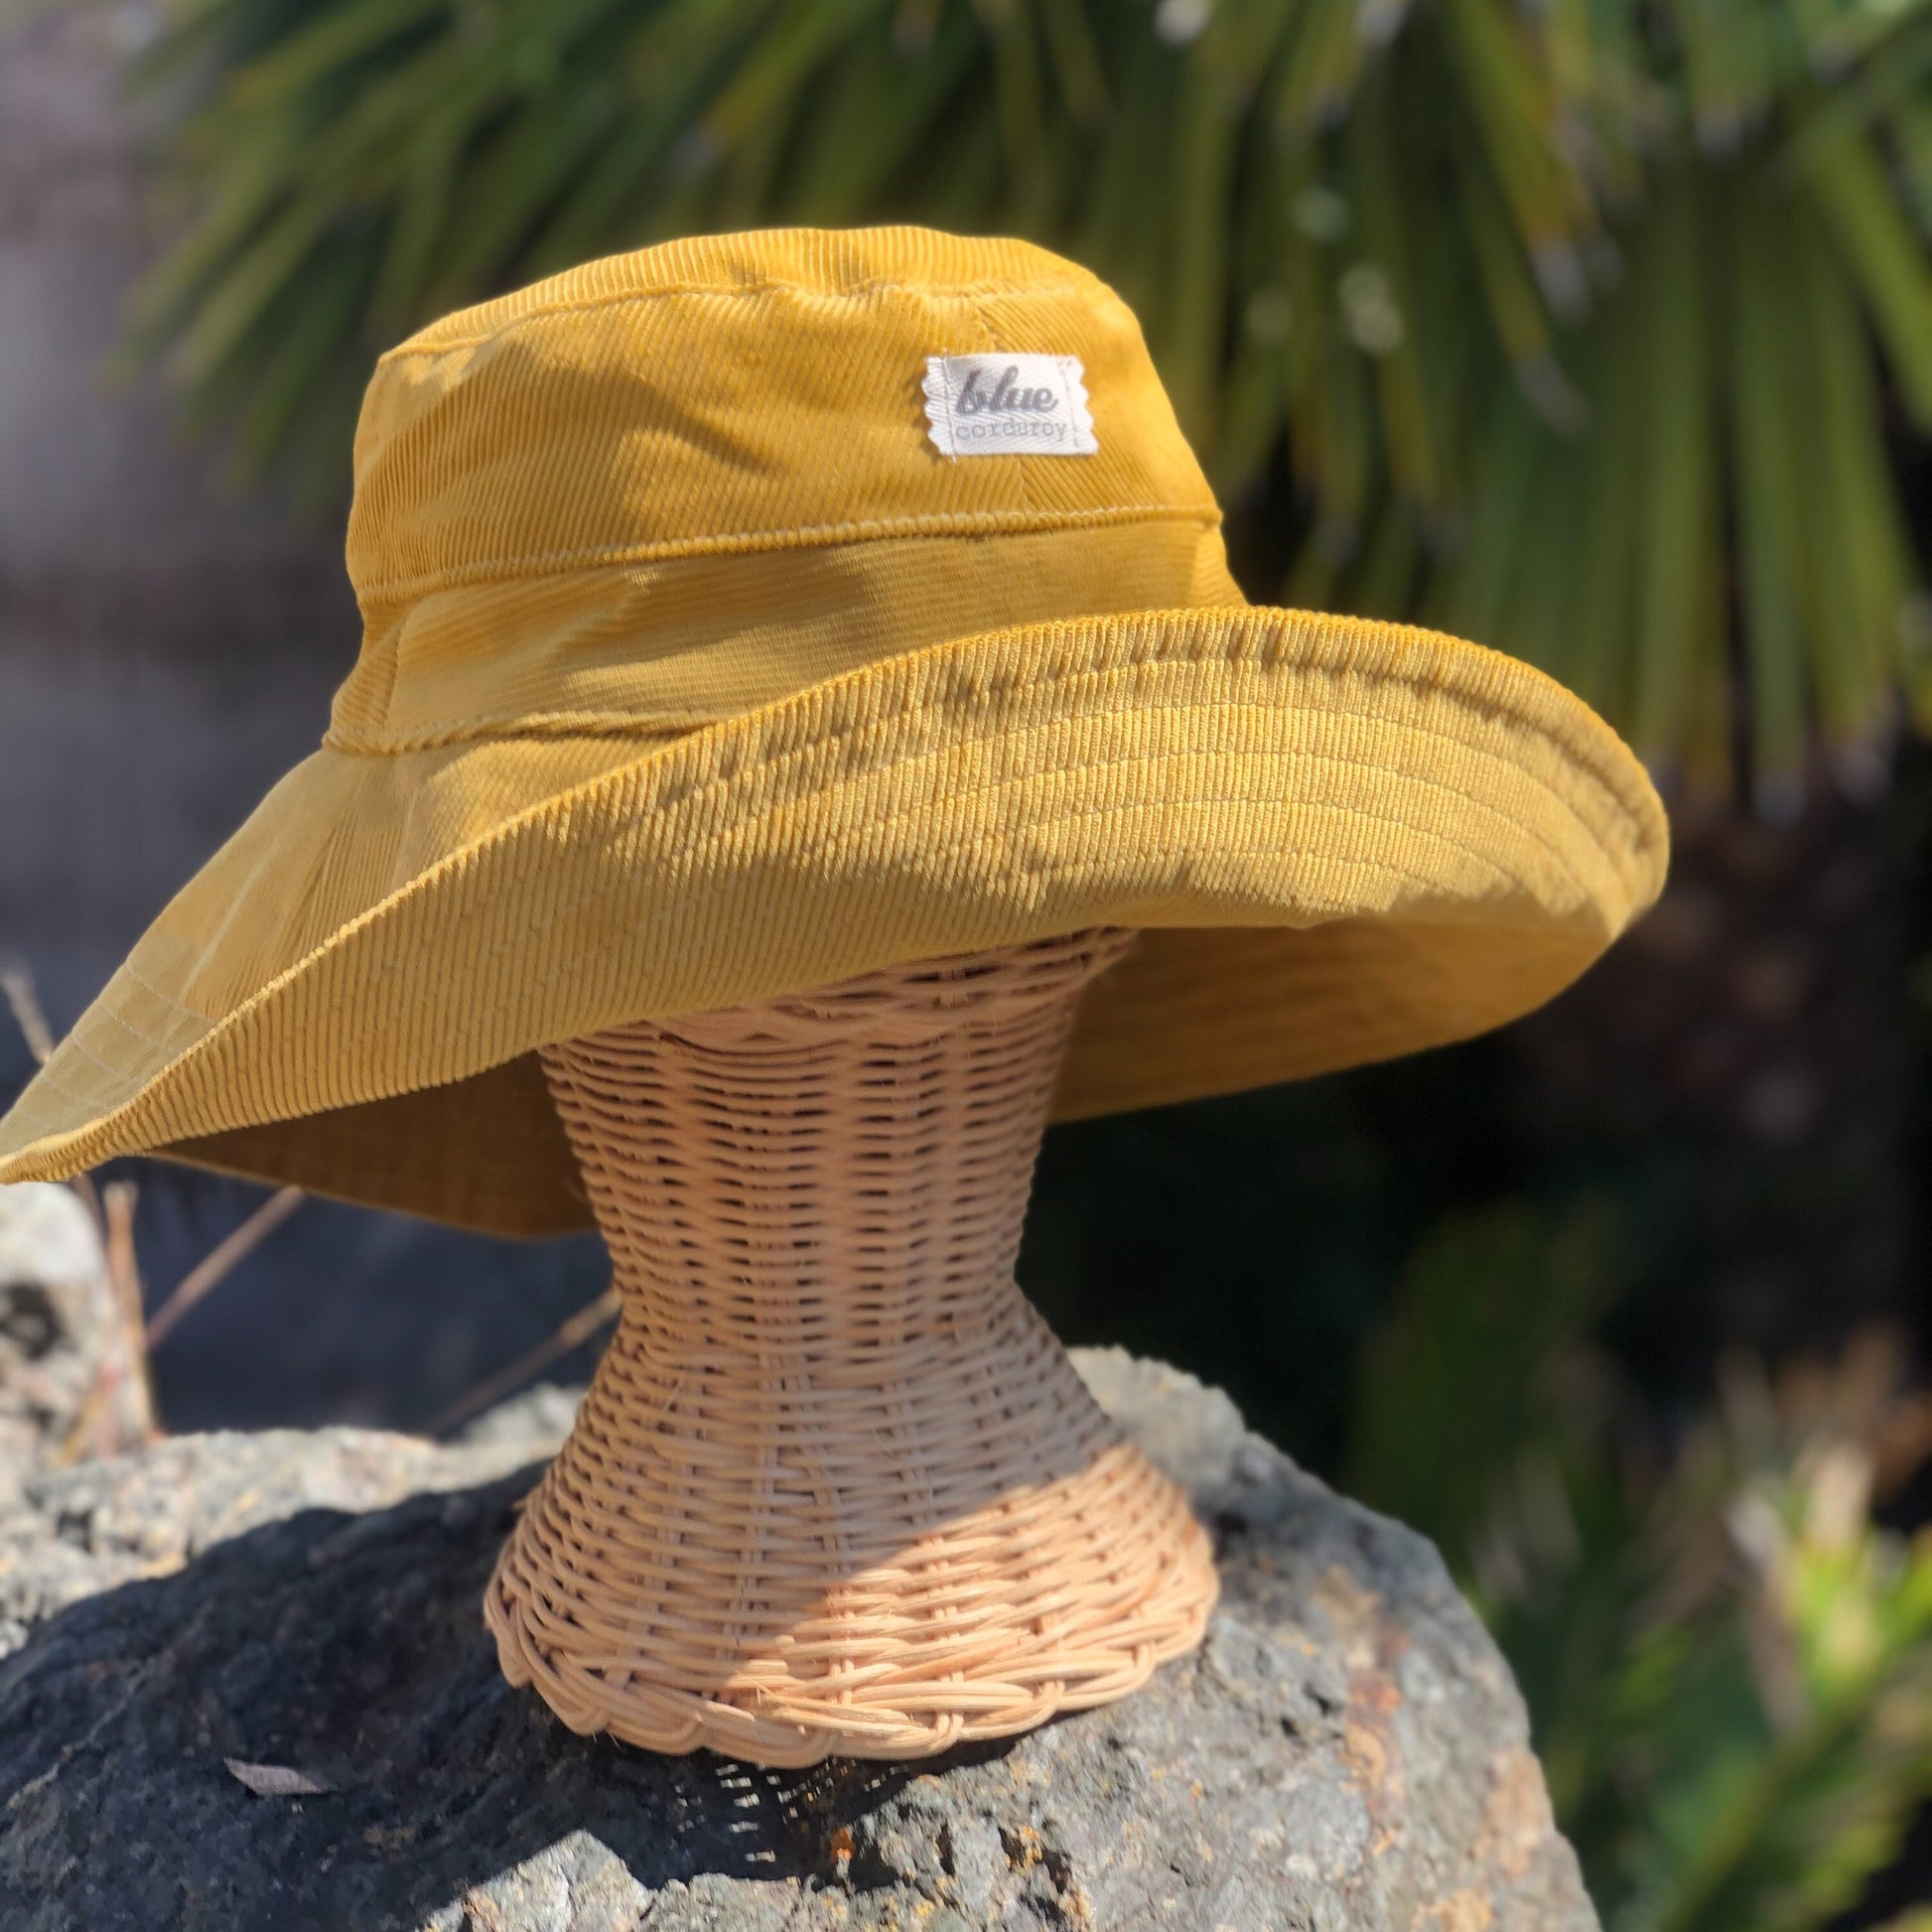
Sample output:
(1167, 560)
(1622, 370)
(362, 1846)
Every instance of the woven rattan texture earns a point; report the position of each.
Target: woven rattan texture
(836, 1489)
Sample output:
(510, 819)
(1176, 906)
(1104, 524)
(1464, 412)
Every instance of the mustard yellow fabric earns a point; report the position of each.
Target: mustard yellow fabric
(692, 673)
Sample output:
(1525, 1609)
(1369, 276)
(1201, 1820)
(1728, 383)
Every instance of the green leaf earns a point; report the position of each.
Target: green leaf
(1483, 1313)
(1678, 518)
(1889, 260)
(1768, 462)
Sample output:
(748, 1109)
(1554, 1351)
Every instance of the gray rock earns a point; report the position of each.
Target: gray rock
(1345, 1751)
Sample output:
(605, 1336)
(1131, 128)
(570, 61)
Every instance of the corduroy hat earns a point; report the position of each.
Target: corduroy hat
(751, 612)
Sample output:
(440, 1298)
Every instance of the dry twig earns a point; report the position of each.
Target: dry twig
(492, 1388)
(214, 1267)
(129, 1362)
(17, 988)
(104, 1426)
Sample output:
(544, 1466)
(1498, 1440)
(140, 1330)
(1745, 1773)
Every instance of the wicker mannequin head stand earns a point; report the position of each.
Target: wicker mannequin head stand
(836, 1487)
(805, 734)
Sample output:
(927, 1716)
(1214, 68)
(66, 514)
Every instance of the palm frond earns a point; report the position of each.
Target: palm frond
(1597, 261)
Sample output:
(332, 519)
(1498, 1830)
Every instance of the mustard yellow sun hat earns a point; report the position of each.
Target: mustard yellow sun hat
(754, 611)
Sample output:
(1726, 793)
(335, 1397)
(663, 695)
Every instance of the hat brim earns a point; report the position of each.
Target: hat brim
(1345, 841)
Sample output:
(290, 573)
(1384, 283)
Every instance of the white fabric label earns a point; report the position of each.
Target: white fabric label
(1009, 405)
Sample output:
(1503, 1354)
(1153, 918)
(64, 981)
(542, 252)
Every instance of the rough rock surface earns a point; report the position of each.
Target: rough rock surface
(250, 1689)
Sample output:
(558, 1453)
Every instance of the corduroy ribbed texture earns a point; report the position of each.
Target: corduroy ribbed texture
(693, 675)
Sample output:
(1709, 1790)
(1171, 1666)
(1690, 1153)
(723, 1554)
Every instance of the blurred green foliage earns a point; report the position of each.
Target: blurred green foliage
(1578, 326)
(1729, 1665)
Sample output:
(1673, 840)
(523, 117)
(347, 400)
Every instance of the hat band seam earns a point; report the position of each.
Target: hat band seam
(800, 537)
(1468, 703)
(1465, 704)
(741, 292)
(542, 724)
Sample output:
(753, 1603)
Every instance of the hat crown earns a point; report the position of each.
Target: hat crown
(736, 393)
(666, 488)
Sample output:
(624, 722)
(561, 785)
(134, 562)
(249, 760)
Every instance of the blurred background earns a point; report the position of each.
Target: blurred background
(1596, 330)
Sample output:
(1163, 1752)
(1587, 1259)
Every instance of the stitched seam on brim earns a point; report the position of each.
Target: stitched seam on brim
(795, 538)
(1471, 703)
(539, 724)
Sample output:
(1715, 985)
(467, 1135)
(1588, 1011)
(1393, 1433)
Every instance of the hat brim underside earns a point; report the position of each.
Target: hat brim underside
(1345, 841)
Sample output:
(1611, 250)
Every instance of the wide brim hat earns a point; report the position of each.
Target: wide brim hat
(708, 656)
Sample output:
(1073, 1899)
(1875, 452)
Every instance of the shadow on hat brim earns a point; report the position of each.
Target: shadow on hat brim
(1345, 841)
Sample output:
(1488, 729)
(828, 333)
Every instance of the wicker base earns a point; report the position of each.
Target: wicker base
(836, 1489)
